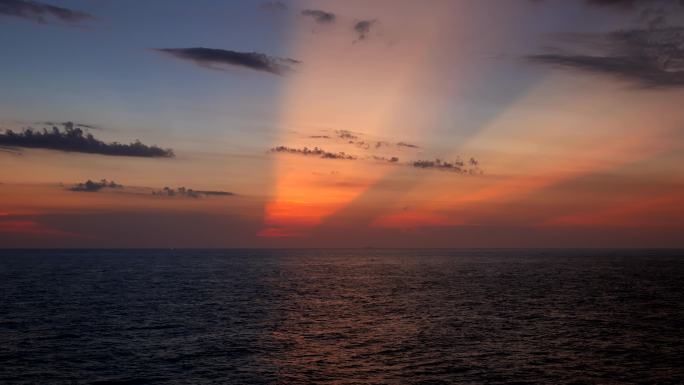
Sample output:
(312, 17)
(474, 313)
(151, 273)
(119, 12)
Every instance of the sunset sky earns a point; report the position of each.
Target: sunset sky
(467, 123)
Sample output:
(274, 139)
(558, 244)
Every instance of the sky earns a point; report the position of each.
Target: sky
(464, 123)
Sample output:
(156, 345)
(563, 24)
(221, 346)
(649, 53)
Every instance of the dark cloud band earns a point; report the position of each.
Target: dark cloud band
(652, 58)
(90, 186)
(212, 57)
(75, 140)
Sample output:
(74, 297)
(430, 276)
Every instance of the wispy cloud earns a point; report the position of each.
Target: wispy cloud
(189, 193)
(457, 166)
(216, 58)
(612, 3)
(321, 17)
(652, 58)
(619, 4)
(104, 184)
(70, 124)
(359, 140)
(353, 138)
(313, 152)
(392, 159)
(40, 12)
(471, 167)
(363, 28)
(76, 140)
(274, 6)
(651, 55)
(347, 135)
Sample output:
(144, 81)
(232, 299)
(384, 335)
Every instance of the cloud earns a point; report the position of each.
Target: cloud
(211, 57)
(353, 138)
(344, 134)
(313, 152)
(630, 4)
(470, 167)
(274, 6)
(70, 124)
(622, 4)
(393, 159)
(90, 186)
(214, 193)
(627, 5)
(321, 17)
(75, 140)
(650, 57)
(612, 3)
(363, 28)
(409, 145)
(458, 166)
(190, 193)
(37, 12)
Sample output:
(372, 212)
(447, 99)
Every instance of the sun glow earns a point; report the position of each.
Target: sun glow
(369, 97)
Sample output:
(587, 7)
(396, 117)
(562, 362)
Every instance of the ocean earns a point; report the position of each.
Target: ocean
(340, 316)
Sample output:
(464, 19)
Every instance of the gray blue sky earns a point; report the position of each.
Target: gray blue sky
(341, 123)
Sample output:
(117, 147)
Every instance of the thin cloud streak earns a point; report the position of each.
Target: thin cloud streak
(215, 58)
(318, 152)
(189, 193)
(321, 17)
(458, 166)
(274, 6)
(38, 12)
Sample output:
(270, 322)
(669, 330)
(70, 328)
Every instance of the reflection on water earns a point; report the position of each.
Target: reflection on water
(342, 316)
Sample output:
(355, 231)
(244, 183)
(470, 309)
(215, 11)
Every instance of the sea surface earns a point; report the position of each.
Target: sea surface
(342, 316)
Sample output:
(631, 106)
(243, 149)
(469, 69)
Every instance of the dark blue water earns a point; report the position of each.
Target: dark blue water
(341, 316)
